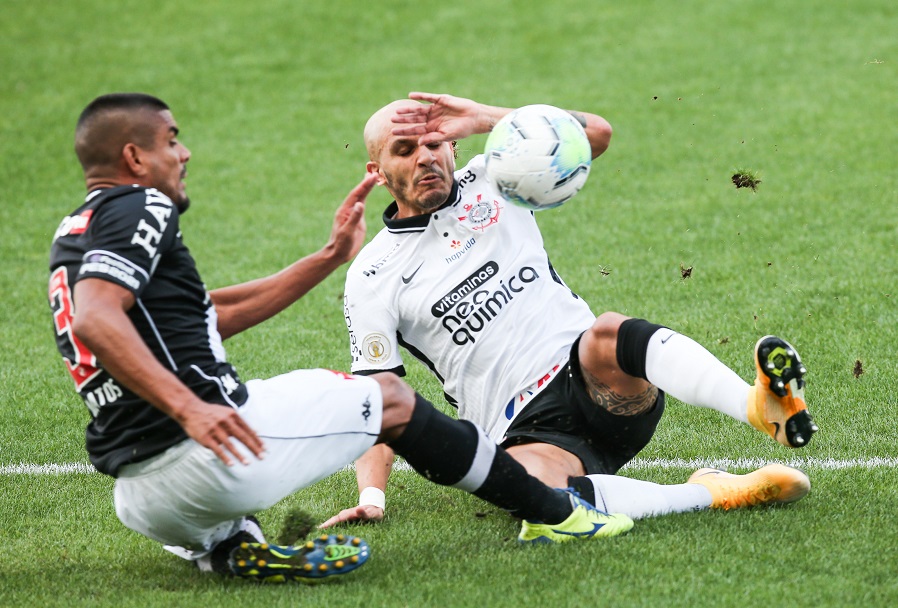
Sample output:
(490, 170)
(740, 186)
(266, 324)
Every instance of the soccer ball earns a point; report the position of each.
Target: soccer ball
(538, 156)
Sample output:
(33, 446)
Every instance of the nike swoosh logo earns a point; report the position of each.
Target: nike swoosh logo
(409, 278)
(664, 340)
(595, 528)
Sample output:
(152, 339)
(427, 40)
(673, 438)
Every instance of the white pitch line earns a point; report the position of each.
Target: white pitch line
(875, 462)
(24, 468)
(639, 464)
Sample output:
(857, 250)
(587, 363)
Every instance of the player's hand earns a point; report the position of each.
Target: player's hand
(360, 514)
(444, 118)
(348, 232)
(216, 427)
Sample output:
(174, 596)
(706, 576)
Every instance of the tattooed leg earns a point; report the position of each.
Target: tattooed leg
(615, 403)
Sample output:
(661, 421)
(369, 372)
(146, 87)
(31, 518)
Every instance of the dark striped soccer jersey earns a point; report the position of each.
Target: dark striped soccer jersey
(130, 235)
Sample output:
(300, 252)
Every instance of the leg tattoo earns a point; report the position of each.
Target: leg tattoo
(619, 405)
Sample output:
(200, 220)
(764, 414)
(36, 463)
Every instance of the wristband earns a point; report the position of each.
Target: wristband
(374, 497)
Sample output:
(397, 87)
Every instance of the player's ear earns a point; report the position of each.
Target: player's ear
(132, 156)
(374, 167)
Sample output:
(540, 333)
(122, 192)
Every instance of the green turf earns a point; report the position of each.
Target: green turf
(271, 98)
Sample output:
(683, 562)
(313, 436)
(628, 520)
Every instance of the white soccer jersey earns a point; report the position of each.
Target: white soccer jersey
(469, 291)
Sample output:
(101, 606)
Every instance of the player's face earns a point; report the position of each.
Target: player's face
(167, 162)
(419, 177)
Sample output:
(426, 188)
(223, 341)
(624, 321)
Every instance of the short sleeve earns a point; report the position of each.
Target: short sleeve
(372, 326)
(126, 238)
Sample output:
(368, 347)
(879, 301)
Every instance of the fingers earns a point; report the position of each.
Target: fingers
(420, 96)
(363, 189)
(357, 196)
(248, 437)
(360, 514)
(353, 514)
(434, 137)
(418, 128)
(426, 137)
(219, 451)
(219, 439)
(356, 213)
(227, 446)
(407, 118)
(330, 522)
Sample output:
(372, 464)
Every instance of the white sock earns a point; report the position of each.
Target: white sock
(637, 498)
(685, 370)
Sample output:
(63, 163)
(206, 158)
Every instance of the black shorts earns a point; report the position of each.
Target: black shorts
(563, 415)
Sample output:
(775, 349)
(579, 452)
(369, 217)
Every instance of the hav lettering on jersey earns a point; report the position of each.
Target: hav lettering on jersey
(147, 235)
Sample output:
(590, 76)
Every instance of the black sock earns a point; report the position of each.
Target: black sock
(456, 453)
(584, 487)
(632, 344)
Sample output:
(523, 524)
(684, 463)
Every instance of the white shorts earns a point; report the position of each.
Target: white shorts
(312, 422)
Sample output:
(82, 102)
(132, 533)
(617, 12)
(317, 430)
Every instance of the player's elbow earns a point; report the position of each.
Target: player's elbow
(86, 325)
(600, 138)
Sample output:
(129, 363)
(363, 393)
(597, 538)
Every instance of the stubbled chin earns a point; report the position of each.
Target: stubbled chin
(433, 199)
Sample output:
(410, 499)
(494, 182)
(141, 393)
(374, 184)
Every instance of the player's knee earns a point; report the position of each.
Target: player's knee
(392, 387)
(604, 329)
(398, 399)
(598, 345)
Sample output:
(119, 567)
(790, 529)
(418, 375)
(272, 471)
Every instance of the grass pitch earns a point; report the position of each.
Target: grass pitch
(272, 99)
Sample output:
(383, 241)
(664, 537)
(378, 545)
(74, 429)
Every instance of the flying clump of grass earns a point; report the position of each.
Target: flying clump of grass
(296, 527)
(746, 178)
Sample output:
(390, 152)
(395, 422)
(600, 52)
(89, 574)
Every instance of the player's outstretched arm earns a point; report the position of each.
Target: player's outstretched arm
(449, 118)
(372, 471)
(242, 306)
(445, 118)
(102, 325)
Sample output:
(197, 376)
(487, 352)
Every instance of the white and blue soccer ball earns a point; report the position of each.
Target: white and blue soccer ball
(538, 156)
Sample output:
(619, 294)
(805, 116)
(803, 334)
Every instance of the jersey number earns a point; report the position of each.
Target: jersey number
(81, 363)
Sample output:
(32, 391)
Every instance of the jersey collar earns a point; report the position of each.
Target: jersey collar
(416, 223)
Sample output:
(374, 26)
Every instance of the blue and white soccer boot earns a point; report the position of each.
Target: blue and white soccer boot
(309, 562)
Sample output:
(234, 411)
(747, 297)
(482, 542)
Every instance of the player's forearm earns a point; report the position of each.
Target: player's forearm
(487, 118)
(242, 306)
(113, 339)
(372, 470)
